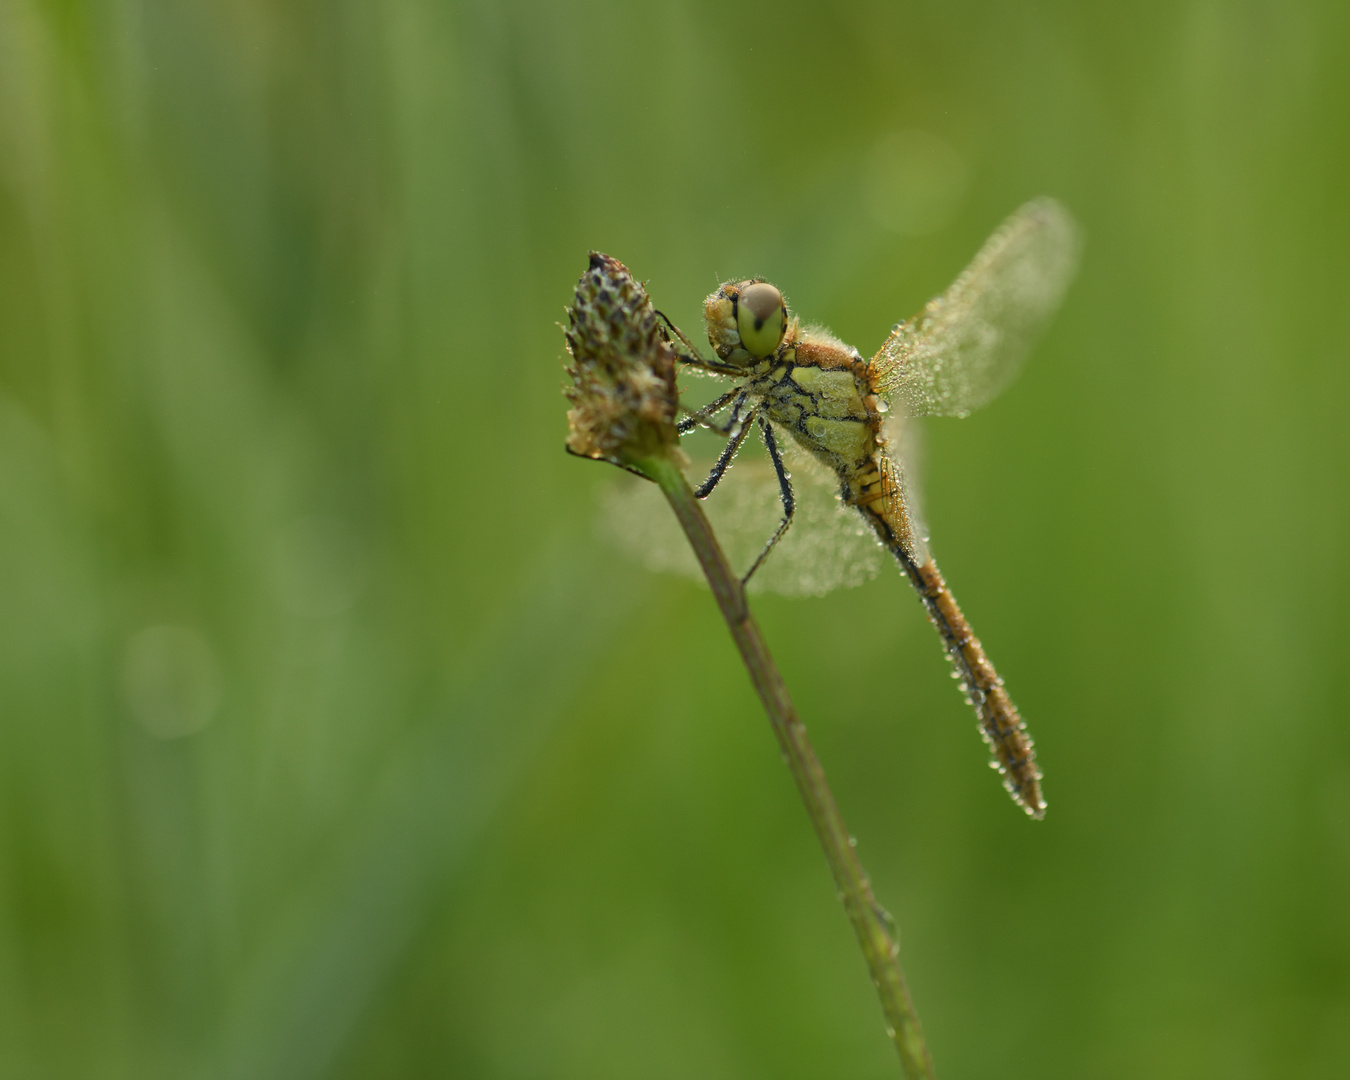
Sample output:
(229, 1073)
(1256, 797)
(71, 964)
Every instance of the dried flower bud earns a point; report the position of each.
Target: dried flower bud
(623, 392)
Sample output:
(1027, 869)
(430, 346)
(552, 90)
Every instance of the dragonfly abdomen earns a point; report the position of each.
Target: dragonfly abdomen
(1000, 722)
(879, 500)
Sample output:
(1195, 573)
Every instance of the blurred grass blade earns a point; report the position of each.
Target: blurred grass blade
(335, 946)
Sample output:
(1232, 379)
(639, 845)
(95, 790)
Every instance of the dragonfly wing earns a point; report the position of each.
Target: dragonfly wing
(966, 345)
(828, 547)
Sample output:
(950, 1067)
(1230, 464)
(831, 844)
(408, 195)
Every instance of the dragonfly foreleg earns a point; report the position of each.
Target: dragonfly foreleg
(703, 416)
(694, 356)
(738, 427)
(784, 493)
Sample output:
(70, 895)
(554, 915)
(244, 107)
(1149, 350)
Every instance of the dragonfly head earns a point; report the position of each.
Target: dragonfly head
(747, 321)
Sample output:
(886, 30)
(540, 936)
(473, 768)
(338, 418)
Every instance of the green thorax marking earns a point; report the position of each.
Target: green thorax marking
(823, 409)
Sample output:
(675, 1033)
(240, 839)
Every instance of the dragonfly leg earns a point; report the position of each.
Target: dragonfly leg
(784, 493)
(738, 427)
(734, 419)
(703, 416)
(693, 357)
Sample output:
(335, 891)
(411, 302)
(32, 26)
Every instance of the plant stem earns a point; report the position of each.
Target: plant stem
(874, 927)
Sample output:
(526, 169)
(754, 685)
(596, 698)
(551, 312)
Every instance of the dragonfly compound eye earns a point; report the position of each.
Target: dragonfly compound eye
(761, 318)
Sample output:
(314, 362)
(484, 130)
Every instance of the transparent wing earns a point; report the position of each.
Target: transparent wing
(968, 344)
(828, 547)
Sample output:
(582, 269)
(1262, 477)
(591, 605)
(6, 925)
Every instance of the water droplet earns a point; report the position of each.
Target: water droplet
(171, 680)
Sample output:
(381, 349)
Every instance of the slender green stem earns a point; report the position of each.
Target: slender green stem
(873, 926)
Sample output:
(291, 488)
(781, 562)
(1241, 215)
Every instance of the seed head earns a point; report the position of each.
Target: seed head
(623, 393)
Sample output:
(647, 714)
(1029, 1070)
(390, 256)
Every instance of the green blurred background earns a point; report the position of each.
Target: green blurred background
(333, 742)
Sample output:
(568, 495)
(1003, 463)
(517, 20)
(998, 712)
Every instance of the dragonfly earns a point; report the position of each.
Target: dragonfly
(955, 355)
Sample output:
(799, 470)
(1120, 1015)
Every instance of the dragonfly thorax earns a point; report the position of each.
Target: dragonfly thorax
(818, 392)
